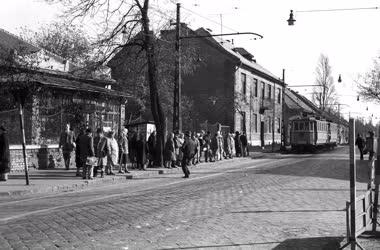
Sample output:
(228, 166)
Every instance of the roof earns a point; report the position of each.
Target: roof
(230, 51)
(11, 41)
(65, 81)
(294, 101)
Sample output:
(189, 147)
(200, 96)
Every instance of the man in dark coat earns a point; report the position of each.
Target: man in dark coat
(86, 149)
(152, 143)
(141, 151)
(360, 143)
(188, 149)
(78, 161)
(4, 155)
(238, 146)
(244, 144)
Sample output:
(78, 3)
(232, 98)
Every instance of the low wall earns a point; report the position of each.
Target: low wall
(37, 157)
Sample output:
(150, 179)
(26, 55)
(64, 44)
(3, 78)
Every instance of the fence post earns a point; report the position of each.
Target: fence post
(377, 182)
(352, 184)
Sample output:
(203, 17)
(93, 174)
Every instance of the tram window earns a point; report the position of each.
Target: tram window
(295, 126)
(306, 126)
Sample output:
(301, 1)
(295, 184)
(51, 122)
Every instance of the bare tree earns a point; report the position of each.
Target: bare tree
(324, 95)
(369, 83)
(122, 20)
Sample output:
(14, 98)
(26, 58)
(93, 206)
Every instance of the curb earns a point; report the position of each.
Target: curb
(107, 180)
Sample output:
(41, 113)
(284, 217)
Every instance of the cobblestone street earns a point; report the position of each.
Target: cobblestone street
(284, 202)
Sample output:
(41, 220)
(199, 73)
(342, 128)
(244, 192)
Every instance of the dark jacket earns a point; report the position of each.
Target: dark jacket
(169, 150)
(66, 141)
(359, 142)
(141, 151)
(188, 148)
(238, 146)
(4, 154)
(243, 140)
(86, 146)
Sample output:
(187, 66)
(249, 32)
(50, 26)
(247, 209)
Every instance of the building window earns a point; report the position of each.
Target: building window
(269, 91)
(254, 121)
(278, 125)
(244, 85)
(255, 87)
(262, 90)
(279, 96)
(269, 125)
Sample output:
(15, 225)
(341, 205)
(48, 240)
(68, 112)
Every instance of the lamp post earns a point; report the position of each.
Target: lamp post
(177, 121)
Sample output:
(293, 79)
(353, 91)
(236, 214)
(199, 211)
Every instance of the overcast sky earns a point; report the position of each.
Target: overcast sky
(349, 38)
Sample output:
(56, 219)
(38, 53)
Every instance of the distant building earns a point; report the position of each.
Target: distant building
(53, 96)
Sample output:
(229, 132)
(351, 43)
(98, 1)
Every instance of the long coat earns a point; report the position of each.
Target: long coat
(86, 147)
(113, 153)
(141, 151)
(169, 150)
(4, 154)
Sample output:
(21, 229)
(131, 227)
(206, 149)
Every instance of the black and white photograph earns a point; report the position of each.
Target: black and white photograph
(189, 124)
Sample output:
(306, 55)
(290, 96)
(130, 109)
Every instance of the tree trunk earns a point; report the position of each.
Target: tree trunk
(156, 108)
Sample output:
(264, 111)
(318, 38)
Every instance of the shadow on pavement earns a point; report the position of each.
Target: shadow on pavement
(319, 243)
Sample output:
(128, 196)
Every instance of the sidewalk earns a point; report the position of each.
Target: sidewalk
(61, 180)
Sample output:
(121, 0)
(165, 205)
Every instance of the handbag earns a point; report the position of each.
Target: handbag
(91, 160)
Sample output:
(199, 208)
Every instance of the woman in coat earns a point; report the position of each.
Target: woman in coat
(4, 155)
(169, 152)
(238, 146)
(113, 153)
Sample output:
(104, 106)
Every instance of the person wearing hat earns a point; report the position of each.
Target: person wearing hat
(4, 155)
(188, 149)
(123, 144)
(86, 150)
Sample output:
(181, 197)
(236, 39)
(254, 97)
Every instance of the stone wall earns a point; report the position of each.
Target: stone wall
(37, 157)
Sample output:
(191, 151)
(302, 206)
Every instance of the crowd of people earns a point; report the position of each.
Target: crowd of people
(102, 154)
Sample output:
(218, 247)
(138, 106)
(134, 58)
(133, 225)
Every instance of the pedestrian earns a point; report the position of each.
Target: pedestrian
(86, 149)
(133, 148)
(67, 145)
(194, 138)
(188, 149)
(102, 149)
(201, 145)
(238, 146)
(360, 143)
(141, 151)
(4, 154)
(244, 144)
(220, 151)
(78, 161)
(123, 143)
(113, 153)
(207, 146)
(369, 144)
(99, 134)
(169, 151)
(214, 148)
(152, 148)
(228, 145)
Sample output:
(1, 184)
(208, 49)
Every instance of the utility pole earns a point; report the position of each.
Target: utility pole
(274, 114)
(177, 121)
(283, 136)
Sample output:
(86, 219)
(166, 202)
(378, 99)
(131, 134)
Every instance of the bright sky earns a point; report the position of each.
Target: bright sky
(349, 38)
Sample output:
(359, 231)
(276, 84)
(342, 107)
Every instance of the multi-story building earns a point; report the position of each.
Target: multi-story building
(231, 88)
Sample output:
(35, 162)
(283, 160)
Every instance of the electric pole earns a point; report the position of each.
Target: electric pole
(177, 121)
